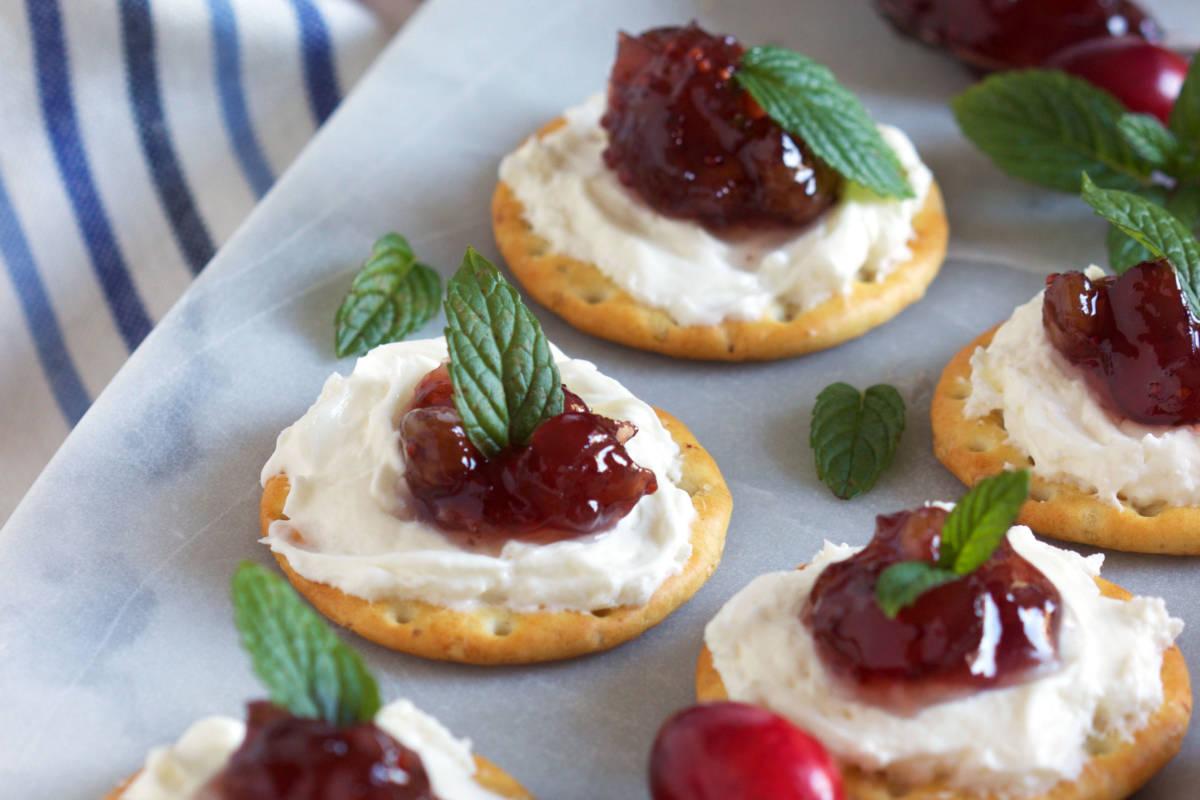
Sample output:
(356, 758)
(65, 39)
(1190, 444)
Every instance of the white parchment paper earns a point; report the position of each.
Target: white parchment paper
(115, 625)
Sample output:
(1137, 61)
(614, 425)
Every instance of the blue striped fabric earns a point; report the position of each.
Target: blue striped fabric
(137, 26)
(137, 135)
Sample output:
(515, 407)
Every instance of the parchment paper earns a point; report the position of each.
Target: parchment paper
(115, 625)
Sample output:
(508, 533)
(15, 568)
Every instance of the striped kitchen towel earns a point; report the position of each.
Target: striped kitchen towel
(135, 135)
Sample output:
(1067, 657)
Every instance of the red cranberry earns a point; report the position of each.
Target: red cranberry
(574, 476)
(1133, 337)
(995, 627)
(292, 758)
(990, 35)
(1145, 77)
(693, 144)
(734, 751)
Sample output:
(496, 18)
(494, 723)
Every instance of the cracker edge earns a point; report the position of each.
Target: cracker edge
(1110, 776)
(494, 635)
(974, 448)
(581, 294)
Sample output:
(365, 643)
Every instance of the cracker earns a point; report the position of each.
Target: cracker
(974, 448)
(585, 297)
(498, 635)
(1113, 774)
(487, 775)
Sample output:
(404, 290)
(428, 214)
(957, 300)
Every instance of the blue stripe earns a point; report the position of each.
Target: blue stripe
(145, 94)
(320, 74)
(71, 396)
(233, 97)
(58, 112)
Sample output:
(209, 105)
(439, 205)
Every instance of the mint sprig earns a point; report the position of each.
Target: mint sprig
(969, 536)
(505, 380)
(854, 435)
(1153, 227)
(1047, 127)
(1184, 120)
(806, 100)
(303, 664)
(391, 296)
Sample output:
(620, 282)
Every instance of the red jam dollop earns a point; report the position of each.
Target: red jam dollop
(996, 627)
(1133, 337)
(284, 757)
(574, 477)
(693, 144)
(1012, 34)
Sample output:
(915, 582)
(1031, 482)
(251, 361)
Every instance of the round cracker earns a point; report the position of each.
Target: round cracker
(498, 635)
(588, 299)
(1115, 772)
(487, 775)
(974, 448)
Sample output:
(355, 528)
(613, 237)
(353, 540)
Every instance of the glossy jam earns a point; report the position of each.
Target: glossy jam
(1144, 76)
(1133, 337)
(996, 627)
(574, 477)
(292, 758)
(1009, 34)
(726, 751)
(693, 144)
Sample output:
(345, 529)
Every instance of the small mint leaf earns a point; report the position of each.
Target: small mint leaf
(806, 100)
(854, 436)
(505, 380)
(1156, 229)
(1184, 120)
(1149, 138)
(980, 520)
(390, 297)
(303, 664)
(1124, 252)
(1047, 127)
(902, 583)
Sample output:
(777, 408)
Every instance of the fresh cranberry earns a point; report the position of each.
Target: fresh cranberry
(1145, 77)
(574, 476)
(1009, 34)
(995, 627)
(293, 758)
(693, 144)
(734, 751)
(1133, 337)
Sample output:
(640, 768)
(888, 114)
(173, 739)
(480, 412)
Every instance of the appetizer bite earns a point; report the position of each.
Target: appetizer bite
(484, 498)
(1094, 385)
(719, 203)
(324, 734)
(954, 656)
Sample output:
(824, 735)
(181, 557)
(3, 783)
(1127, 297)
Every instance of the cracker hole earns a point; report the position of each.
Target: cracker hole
(1041, 494)
(960, 389)
(978, 445)
(501, 627)
(1149, 509)
(400, 615)
(602, 612)
(596, 296)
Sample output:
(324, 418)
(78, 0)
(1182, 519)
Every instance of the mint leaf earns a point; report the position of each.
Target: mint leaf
(391, 296)
(902, 583)
(1149, 138)
(1156, 229)
(1185, 114)
(1047, 127)
(806, 100)
(504, 376)
(1124, 252)
(303, 664)
(854, 436)
(978, 523)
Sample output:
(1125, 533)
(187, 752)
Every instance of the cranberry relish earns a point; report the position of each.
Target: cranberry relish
(284, 757)
(693, 144)
(1133, 337)
(995, 627)
(574, 477)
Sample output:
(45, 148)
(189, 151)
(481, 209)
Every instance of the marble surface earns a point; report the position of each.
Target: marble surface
(115, 624)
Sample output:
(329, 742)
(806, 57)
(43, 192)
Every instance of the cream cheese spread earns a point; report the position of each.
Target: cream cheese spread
(352, 522)
(1051, 415)
(179, 770)
(574, 202)
(1015, 741)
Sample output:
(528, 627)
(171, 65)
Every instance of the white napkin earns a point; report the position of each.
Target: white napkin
(135, 137)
